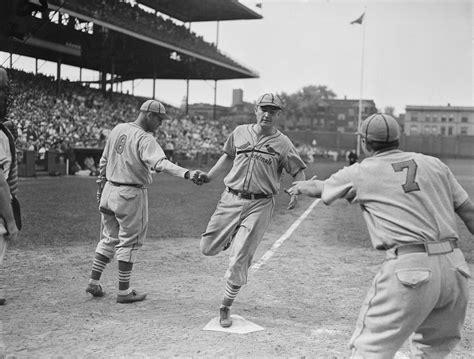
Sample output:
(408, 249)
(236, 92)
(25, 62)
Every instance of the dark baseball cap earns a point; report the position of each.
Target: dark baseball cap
(154, 106)
(270, 99)
(380, 127)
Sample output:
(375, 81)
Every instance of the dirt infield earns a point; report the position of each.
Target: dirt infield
(306, 296)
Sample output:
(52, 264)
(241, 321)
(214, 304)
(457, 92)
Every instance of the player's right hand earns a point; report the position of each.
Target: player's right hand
(12, 231)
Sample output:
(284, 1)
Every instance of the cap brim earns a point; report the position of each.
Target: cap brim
(163, 116)
(270, 105)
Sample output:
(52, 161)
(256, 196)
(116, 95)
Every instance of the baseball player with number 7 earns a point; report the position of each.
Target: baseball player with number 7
(258, 154)
(409, 202)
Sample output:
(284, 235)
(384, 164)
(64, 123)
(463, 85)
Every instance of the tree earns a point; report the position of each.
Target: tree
(389, 110)
(303, 104)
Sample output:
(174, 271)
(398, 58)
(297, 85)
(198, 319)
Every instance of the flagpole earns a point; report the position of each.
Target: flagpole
(359, 120)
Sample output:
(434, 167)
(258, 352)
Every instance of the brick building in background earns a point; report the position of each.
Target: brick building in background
(439, 120)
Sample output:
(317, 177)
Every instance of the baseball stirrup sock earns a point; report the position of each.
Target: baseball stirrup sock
(231, 292)
(98, 267)
(124, 281)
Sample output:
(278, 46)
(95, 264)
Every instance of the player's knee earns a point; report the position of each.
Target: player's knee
(207, 249)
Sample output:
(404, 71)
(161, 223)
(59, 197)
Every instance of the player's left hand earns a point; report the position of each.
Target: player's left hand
(293, 202)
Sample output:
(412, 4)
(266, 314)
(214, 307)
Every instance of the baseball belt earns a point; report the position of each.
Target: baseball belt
(432, 248)
(246, 195)
(118, 184)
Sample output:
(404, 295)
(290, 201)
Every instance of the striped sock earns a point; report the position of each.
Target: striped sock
(98, 267)
(231, 292)
(124, 281)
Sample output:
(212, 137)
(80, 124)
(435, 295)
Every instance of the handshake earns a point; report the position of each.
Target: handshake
(198, 177)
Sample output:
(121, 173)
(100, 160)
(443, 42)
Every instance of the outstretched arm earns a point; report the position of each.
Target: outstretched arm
(466, 212)
(222, 166)
(166, 166)
(300, 176)
(311, 188)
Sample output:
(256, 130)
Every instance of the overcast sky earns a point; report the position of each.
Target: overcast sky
(415, 53)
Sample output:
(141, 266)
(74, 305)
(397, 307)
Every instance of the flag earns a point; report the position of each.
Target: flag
(259, 5)
(359, 19)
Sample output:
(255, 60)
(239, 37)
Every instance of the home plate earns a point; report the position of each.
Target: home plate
(239, 325)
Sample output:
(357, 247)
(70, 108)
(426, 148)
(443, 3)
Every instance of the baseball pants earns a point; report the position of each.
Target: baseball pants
(124, 221)
(3, 249)
(414, 294)
(246, 221)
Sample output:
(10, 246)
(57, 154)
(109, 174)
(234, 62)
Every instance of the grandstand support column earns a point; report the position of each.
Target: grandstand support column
(11, 60)
(187, 96)
(215, 100)
(112, 75)
(58, 76)
(80, 74)
(154, 81)
(103, 81)
(36, 66)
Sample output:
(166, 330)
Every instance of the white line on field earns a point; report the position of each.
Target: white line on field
(283, 238)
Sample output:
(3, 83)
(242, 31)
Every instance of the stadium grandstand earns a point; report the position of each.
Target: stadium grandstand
(121, 41)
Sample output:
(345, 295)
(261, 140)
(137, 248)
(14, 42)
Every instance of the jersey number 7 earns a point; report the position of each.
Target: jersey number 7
(411, 167)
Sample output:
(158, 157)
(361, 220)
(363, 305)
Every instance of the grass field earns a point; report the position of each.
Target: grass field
(62, 211)
(306, 296)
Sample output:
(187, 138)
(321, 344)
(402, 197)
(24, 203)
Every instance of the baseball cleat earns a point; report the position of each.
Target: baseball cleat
(95, 290)
(2, 301)
(131, 297)
(225, 320)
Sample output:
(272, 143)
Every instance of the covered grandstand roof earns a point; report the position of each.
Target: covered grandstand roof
(203, 10)
(118, 49)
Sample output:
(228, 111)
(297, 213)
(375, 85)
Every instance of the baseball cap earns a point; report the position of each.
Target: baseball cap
(154, 106)
(380, 127)
(270, 99)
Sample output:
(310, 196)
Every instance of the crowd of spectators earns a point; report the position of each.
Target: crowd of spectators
(132, 16)
(82, 117)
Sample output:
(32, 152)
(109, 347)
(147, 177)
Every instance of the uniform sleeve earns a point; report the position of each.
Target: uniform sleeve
(4, 150)
(340, 185)
(229, 146)
(459, 194)
(150, 151)
(292, 162)
(103, 160)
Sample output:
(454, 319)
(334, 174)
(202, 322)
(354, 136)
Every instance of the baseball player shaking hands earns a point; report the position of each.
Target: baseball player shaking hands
(125, 167)
(256, 154)
(409, 202)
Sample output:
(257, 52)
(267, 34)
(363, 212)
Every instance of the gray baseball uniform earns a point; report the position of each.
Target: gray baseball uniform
(246, 206)
(408, 199)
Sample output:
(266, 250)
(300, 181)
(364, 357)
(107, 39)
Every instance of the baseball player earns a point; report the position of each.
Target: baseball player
(409, 202)
(129, 154)
(8, 181)
(258, 154)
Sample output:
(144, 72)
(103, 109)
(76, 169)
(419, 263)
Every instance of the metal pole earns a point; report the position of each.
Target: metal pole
(215, 100)
(187, 96)
(359, 120)
(58, 76)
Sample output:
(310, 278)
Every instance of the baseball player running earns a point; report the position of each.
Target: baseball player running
(409, 202)
(258, 154)
(129, 154)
